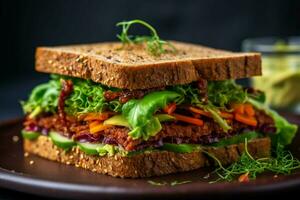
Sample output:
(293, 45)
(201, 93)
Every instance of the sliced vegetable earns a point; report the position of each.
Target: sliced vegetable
(236, 139)
(170, 108)
(223, 114)
(239, 108)
(164, 117)
(251, 121)
(200, 111)
(117, 120)
(226, 115)
(218, 119)
(89, 148)
(181, 148)
(30, 135)
(96, 127)
(249, 110)
(189, 120)
(61, 141)
(97, 116)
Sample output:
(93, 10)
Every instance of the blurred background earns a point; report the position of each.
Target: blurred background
(220, 24)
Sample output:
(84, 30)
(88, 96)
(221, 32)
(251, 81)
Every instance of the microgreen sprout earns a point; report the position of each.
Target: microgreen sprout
(155, 45)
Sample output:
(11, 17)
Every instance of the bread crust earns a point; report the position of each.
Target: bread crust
(132, 67)
(149, 164)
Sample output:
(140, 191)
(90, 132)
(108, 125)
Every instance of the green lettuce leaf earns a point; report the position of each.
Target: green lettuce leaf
(285, 130)
(43, 97)
(86, 97)
(139, 113)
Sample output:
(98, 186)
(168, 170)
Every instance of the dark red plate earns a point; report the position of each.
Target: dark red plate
(42, 177)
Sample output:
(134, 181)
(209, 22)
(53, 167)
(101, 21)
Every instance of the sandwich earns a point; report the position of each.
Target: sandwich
(146, 107)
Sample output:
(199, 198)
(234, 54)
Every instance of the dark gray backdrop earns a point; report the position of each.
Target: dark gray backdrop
(220, 24)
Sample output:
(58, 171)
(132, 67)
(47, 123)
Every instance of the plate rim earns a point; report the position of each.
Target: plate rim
(21, 182)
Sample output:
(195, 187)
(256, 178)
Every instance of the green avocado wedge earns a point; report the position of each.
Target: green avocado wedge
(30, 135)
(117, 120)
(61, 141)
(89, 148)
(120, 120)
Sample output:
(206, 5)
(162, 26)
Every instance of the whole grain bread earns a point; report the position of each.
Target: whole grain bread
(154, 163)
(132, 67)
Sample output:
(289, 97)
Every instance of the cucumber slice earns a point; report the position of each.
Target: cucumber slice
(164, 117)
(30, 135)
(89, 148)
(181, 148)
(61, 141)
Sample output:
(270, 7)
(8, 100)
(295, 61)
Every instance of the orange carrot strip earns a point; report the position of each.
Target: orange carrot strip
(98, 128)
(170, 108)
(94, 123)
(196, 115)
(226, 115)
(251, 121)
(249, 110)
(97, 116)
(239, 108)
(199, 111)
(189, 120)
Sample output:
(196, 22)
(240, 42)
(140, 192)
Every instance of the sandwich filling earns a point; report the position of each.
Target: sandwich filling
(179, 118)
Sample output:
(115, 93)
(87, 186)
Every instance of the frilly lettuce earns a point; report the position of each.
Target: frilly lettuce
(285, 131)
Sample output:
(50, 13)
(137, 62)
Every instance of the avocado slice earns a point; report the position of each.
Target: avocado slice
(30, 135)
(61, 141)
(89, 148)
(120, 120)
(117, 120)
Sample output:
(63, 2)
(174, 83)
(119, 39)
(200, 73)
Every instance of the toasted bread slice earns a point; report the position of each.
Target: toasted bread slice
(133, 67)
(149, 164)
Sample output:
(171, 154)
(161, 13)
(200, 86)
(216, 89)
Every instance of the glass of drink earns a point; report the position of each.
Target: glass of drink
(281, 70)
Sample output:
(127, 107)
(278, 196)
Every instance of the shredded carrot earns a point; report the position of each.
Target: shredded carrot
(239, 108)
(97, 116)
(170, 108)
(94, 123)
(249, 110)
(226, 115)
(189, 120)
(196, 115)
(251, 121)
(244, 178)
(97, 127)
(199, 111)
